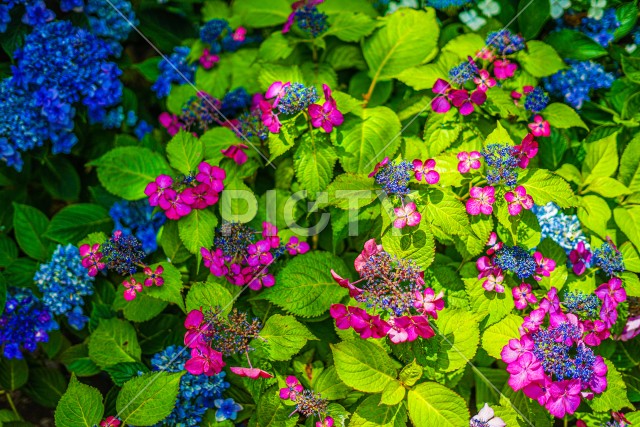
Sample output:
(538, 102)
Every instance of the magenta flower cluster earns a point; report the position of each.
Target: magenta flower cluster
(394, 288)
(179, 198)
(308, 403)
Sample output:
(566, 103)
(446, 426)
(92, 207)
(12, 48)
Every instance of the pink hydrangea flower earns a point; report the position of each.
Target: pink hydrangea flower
(440, 103)
(580, 257)
(378, 166)
(240, 34)
(155, 190)
(504, 69)
(428, 303)
(292, 389)
(370, 248)
(544, 265)
(262, 279)
(253, 373)
(154, 277)
(214, 261)
(208, 59)
(464, 101)
(538, 390)
(327, 115)
(170, 122)
(295, 246)
(468, 161)
(409, 328)
(515, 348)
(518, 199)
(203, 196)
(534, 320)
(176, 205)
(259, 253)
(197, 329)
(524, 370)
(540, 127)
(484, 80)
(486, 417)
(204, 360)
(132, 288)
(481, 200)
(407, 215)
(612, 290)
(91, 257)
(427, 170)
(493, 282)
(564, 397)
(485, 267)
(110, 421)
(522, 296)
(348, 317)
(211, 175)
(327, 422)
(276, 91)
(269, 117)
(526, 151)
(270, 233)
(493, 243)
(236, 153)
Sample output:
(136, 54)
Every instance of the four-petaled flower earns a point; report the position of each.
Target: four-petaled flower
(493, 282)
(155, 190)
(292, 389)
(326, 115)
(464, 101)
(428, 302)
(427, 170)
(504, 69)
(522, 296)
(440, 103)
(295, 246)
(204, 360)
(110, 421)
(540, 127)
(526, 150)
(407, 215)
(154, 277)
(132, 288)
(580, 258)
(227, 409)
(236, 153)
(484, 80)
(468, 161)
(518, 199)
(481, 200)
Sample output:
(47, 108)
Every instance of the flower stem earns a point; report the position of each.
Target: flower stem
(13, 406)
(566, 421)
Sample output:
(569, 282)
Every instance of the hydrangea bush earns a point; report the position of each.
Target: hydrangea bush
(322, 213)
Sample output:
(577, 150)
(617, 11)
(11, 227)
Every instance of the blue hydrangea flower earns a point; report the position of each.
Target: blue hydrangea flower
(197, 392)
(584, 305)
(37, 14)
(5, 17)
(174, 71)
(227, 409)
(576, 83)
(505, 42)
(445, 4)
(39, 102)
(601, 30)
(131, 118)
(565, 230)
(107, 22)
(609, 259)
(394, 178)
(516, 260)
(311, 21)
(234, 102)
(123, 253)
(296, 98)
(536, 100)
(212, 30)
(137, 219)
(464, 72)
(25, 322)
(63, 282)
(501, 164)
(142, 129)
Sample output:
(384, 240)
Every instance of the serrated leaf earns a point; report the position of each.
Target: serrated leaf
(126, 171)
(329, 385)
(285, 336)
(393, 393)
(630, 257)
(76, 359)
(410, 374)
(545, 186)
(197, 229)
(446, 212)
(628, 219)
(120, 373)
(370, 413)
(208, 295)
(271, 412)
(629, 173)
(497, 336)
(184, 152)
(46, 386)
(415, 243)
(441, 130)
(614, 398)
(540, 59)
(352, 191)
(304, 286)
(408, 38)
(171, 289)
(494, 305)
(29, 225)
(350, 26)
(75, 222)
(499, 136)
(457, 338)
(432, 404)
(80, 406)
(562, 116)
(148, 399)
(313, 164)
(594, 213)
(114, 341)
(363, 365)
(608, 187)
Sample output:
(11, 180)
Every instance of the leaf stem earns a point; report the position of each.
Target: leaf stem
(13, 406)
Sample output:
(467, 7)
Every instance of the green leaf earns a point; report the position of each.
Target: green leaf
(350, 26)
(410, 374)
(601, 159)
(630, 257)
(209, 295)
(432, 404)
(329, 385)
(532, 15)
(408, 38)
(608, 187)
(126, 171)
(594, 213)
(352, 191)
(545, 186)
(141, 309)
(562, 116)
(148, 399)
(628, 219)
(114, 341)
(197, 229)
(497, 336)
(614, 398)
(217, 139)
(305, 286)
(415, 243)
(262, 13)
(540, 59)
(75, 222)
(494, 305)
(285, 336)
(314, 160)
(120, 373)
(13, 373)
(457, 339)
(464, 45)
(30, 224)
(76, 359)
(629, 173)
(275, 47)
(60, 179)
(627, 15)
(445, 211)
(572, 44)
(8, 252)
(498, 136)
(440, 131)
(363, 365)
(80, 406)
(171, 243)
(631, 68)
(366, 140)
(271, 412)
(393, 393)
(424, 76)
(371, 413)
(184, 152)
(171, 289)
(281, 142)
(46, 386)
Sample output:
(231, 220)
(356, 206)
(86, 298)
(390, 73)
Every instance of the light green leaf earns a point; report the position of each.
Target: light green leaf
(594, 213)
(630, 257)
(440, 131)
(562, 116)
(432, 404)
(314, 160)
(29, 225)
(196, 229)
(614, 398)
(367, 140)
(371, 413)
(271, 412)
(457, 338)
(601, 159)
(629, 173)
(363, 365)
(217, 139)
(446, 212)
(349, 188)
(410, 374)
(494, 305)
(424, 76)
(148, 399)
(497, 336)
(350, 26)
(141, 309)
(305, 286)
(262, 13)
(570, 173)
(545, 186)
(112, 342)
(275, 47)
(126, 171)
(628, 219)
(329, 385)
(209, 295)
(540, 59)
(465, 45)
(75, 222)
(184, 152)
(499, 136)
(393, 393)
(408, 38)
(80, 406)
(415, 243)
(608, 187)
(285, 336)
(171, 289)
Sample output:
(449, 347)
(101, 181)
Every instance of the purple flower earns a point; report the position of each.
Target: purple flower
(292, 389)
(259, 253)
(213, 176)
(580, 257)
(464, 101)
(407, 215)
(295, 246)
(426, 170)
(326, 116)
(564, 398)
(524, 370)
(176, 205)
(155, 190)
(440, 103)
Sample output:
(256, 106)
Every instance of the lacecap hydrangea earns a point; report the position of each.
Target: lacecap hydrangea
(576, 83)
(63, 282)
(565, 230)
(137, 219)
(197, 394)
(38, 102)
(175, 69)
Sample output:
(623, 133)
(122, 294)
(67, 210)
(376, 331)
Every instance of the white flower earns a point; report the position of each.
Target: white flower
(403, 3)
(597, 9)
(630, 48)
(489, 7)
(485, 418)
(472, 20)
(558, 7)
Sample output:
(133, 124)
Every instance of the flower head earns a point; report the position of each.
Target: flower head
(540, 127)
(526, 150)
(518, 199)
(522, 296)
(407, 215)
(427, 170)
(481, 200)
(227, 409)
(580, 257)
(486, 418)
(292, 389)
(468, 161)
